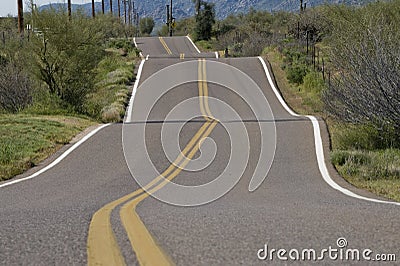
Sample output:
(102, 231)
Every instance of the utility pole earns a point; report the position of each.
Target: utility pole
(32, 14)
(102, 6)
(137, 24)
(20, 17)
(168, 18)
(93, 10)
(133, 15)
(129, 12)
(119, 9)
(125, 10)
(69, 9)
(170, 22)
(111, 10)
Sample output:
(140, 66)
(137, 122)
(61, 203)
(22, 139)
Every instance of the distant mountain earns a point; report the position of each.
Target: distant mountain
(185, 8)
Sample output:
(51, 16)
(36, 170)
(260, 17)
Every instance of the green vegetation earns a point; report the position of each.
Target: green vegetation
(27, 140)
(367, 59)
(57, 81)
(377, 171)
(111, 97)
(358, 151)
(206, 46)
(65, 55)
(340, 63)
(205, 19)
(146, 25)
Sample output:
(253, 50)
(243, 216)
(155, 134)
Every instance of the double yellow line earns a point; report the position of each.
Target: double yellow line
(165, 45)
(203, 91)
(102, 247)
(181, 55)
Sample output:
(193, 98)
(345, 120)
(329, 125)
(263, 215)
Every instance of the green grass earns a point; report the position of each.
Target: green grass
(301, 98)
(110, 98)
(356, 149)
(377, 171)
(205, 46)
(27, 140)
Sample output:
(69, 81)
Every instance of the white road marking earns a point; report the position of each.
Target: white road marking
(318, 145)
(197, 49)
(58, 160)
(135, 86)
(134, 41)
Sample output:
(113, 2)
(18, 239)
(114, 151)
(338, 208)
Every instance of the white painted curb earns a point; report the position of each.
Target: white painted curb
(58, 160)
(197, 49)
(135, 86)
(134, 41)
(318, 145)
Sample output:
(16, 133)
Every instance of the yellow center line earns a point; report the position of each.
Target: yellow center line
(165, 45)
(143, 244)
(200, 85)
(203, 91)
(102, 247)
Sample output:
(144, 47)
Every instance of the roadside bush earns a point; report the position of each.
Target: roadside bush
(111, 27)
(382, 164)
(45, 103)
(365, 52)
(111, 114)
(293, 56)
(296, 73)
(341, 157)
(146, 25)
(65, 54)
(254, 44)
(313, 82)
(351, 137)
(15, 88)
(110, 97)
(205, 45)
(124, 44)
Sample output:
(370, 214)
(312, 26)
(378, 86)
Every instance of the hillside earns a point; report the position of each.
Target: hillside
(185, 8)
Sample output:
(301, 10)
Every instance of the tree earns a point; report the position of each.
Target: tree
(365, 52)
(146, 25)
(197, 5)
(205, 19)
(65, 54)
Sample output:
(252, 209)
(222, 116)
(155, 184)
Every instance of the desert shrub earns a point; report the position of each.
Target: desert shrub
(296, 73)
(15, 88)
(65, 54)
(313, 82)
(124, 44)
(365, 53)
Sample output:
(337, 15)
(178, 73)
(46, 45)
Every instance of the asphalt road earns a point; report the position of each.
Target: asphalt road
(53, 218)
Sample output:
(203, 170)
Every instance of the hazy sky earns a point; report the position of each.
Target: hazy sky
(10, 6)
